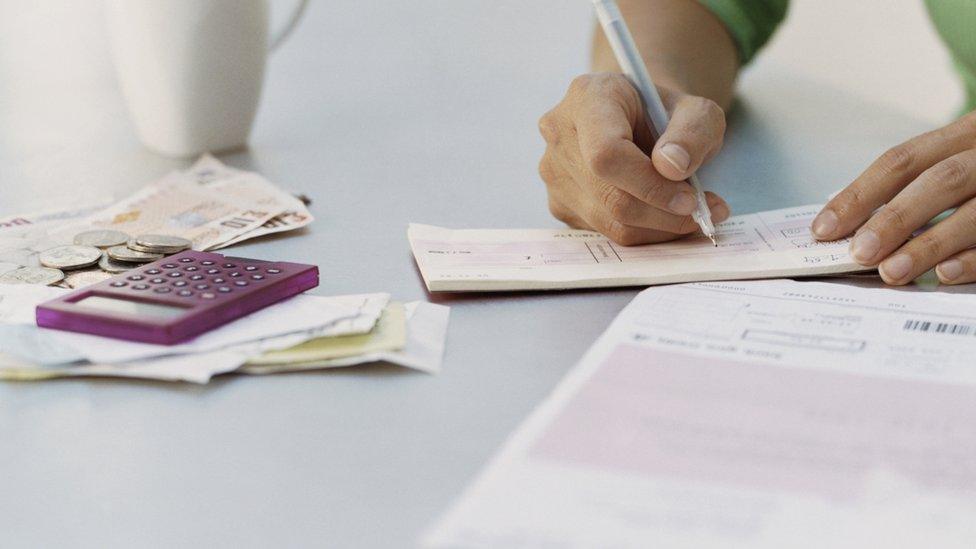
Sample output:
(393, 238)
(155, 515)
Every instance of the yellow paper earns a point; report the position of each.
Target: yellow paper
(389, 334)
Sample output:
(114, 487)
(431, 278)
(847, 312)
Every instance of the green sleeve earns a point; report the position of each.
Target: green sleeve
(750, 22)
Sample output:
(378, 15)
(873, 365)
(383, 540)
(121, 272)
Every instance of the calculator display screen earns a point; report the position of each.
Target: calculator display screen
(134, 308)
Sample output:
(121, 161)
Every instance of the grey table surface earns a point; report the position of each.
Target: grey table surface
(382, 121)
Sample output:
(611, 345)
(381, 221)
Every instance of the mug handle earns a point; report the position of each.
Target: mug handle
(285, 31)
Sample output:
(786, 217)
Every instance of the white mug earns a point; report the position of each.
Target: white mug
(191, 71)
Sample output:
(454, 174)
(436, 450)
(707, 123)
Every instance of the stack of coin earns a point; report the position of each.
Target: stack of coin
(94, 256)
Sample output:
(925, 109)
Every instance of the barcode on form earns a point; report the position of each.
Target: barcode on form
(939, 327)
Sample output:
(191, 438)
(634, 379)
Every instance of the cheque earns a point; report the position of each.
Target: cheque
(770, 244)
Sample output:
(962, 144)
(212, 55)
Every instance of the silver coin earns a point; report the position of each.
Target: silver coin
(110, 265)
(80, 279)
(101, 238)
(159, 243)
(123, 253)
(32, 275)
(70, 257)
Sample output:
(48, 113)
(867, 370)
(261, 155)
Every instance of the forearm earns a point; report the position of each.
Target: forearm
(684, 45)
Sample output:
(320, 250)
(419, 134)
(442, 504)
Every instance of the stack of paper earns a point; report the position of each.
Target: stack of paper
(763, 245)
(302, 333)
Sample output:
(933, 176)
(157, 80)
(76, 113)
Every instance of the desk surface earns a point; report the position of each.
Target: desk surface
(378, 133)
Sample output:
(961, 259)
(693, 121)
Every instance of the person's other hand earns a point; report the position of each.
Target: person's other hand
(603, 171)
(911, 184)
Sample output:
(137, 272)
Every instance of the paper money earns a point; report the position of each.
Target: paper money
(178, 206)
(211, 173)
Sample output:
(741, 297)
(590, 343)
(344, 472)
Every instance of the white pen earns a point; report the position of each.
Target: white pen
(632, 64)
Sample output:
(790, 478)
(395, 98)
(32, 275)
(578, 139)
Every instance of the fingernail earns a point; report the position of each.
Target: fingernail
(825, 224)
(677, 156)
(897, 267)
(682, 203)
(865, 246)
(720, 213)
(949, 270)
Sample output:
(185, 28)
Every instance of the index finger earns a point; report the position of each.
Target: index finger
(887, 176)
(606, 140)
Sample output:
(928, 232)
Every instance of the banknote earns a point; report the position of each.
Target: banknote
(24, 236)
(212, 173)
(177, 205)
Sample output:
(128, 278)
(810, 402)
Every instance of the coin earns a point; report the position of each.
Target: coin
(110, 265)
(159, 243)
(101, 238)
(70, 257)
(32, 275)
(123, 253)
(80, 279)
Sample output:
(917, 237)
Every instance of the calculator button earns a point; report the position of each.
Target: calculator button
(153, 272)
(162, 290)
(157, 280)
(184, 293)
(213, 271)
(202, 286)
(186, 260)
(136, 277)
(208, 295)
(273, 271)
(240, 283)
(191, 268)
(174, 274)
(229, 265)
(257, 277)
(224, 289)
(180, 283)
(169, 265)
(250, 268)
(197, 277)
(118, 284)
(206, 262)
(219, 280)
(140, 286)
(234, 274)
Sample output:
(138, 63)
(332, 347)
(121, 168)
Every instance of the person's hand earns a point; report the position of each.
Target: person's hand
(597, 170)
(911, 184)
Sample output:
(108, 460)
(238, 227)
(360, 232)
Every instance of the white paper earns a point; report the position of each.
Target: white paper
(368, 309)
(762, 245)
(747, 414)
(424, 351)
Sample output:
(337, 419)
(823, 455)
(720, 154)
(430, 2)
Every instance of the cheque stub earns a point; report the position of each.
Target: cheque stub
(759, 414)
(771, 244)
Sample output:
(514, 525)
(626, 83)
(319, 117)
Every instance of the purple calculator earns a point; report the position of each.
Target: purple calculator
(177, 297)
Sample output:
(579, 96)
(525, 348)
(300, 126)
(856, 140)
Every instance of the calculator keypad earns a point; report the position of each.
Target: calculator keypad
(197, 279)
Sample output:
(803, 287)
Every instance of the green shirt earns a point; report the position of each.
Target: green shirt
(752, 22)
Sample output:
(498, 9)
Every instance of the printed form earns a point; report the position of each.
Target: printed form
(747, 414)
(769, 244)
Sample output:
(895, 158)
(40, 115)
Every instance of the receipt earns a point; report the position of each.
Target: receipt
(769, 244)
(747, 414)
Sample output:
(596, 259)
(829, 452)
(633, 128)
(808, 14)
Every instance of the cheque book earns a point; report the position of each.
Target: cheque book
(770, 244)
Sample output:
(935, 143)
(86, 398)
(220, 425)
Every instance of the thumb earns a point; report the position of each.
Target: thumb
(693, 136)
